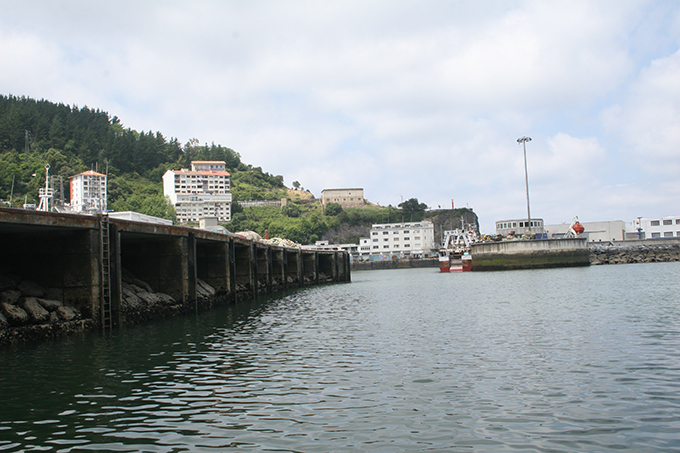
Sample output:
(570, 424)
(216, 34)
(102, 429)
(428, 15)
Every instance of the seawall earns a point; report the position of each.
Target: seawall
(63, 273)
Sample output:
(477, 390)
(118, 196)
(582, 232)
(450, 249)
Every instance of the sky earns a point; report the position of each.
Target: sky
(405, 99)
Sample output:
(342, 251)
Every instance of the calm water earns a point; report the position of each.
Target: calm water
(560, 360)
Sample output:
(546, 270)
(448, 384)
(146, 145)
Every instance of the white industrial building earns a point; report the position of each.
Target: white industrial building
(88, 192)
(403, 240)
(199, 192)
(661, 227)
(607, 231)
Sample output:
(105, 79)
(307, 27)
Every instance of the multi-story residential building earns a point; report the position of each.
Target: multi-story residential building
(88, 192)
(202, 191)
(347, 198)
(663, 227)
(400, 239)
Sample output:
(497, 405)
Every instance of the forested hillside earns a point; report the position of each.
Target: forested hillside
(71, 140)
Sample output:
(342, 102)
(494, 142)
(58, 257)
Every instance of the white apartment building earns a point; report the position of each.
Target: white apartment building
(88, 192)
(664, 227)
(400, 239)
(202, 191)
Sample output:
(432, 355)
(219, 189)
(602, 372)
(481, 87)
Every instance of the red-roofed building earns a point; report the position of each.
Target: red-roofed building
(199, 192)
(88, 192)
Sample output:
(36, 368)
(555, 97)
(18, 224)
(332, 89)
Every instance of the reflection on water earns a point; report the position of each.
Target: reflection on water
(584, 359)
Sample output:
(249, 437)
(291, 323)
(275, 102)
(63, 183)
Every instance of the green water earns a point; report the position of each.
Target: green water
(558, 360)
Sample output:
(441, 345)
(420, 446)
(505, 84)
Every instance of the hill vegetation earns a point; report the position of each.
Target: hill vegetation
(71, 140)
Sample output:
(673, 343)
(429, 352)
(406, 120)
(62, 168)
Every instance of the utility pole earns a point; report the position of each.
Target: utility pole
(523, 141)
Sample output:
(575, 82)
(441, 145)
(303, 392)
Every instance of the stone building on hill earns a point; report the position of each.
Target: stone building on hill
(347, 198)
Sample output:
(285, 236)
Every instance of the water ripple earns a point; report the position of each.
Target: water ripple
(396, 361)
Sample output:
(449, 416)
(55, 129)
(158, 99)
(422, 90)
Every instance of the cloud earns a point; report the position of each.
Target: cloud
(402, 99)
(649, 117)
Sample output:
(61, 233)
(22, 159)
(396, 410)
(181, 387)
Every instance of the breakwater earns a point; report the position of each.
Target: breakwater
(648, 251)
(61, 273)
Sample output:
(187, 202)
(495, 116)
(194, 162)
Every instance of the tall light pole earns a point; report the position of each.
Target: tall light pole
(523, 141)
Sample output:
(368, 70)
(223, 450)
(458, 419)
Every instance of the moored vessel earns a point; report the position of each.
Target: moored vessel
(454, 255)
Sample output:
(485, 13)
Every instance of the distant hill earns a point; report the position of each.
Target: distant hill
(72, 139)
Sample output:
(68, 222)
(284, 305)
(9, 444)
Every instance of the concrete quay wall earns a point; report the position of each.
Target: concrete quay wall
(169, 268)
(394, 264)
(529, 254)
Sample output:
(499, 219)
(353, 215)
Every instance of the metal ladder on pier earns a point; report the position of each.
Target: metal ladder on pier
(105, 259)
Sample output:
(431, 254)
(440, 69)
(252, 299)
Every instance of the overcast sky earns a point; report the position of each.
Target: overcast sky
(405, 99)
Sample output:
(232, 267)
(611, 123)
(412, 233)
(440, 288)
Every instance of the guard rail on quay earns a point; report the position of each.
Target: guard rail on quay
(83, 260)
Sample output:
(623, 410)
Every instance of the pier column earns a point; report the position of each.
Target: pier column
(301, 268)
(253, 269)
(232, 269)
(284, 269)
(192, 271)
(115, 275)
(243, 268)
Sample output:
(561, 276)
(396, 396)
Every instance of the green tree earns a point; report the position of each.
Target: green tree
(291, 210)
(412, 205)
(333, 209)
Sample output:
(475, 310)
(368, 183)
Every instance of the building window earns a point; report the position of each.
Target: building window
(668, 234)
(656, 235)
(385, 240)
(654, 223)
(386, 246)
(677, 221)
(386, 232)
(668, 222)
(375, 240)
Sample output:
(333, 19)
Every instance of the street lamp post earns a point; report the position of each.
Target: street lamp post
(523, 141)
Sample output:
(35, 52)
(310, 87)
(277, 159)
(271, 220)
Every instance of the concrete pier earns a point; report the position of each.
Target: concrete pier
(530, 254)
(64, 252)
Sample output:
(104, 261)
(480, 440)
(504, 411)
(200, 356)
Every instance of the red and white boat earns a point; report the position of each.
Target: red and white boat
(454, 256)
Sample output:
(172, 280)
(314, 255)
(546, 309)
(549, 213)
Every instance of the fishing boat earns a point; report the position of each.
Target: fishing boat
(454, 255)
